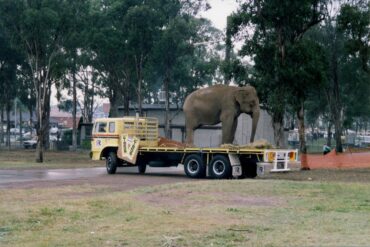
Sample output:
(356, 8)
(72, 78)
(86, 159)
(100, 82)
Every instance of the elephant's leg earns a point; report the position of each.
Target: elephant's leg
(228, 128)
(233, 130)
(191, 124)
(189, 135)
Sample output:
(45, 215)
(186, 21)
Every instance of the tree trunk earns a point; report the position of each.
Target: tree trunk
(46, 119)
(43, 90)
(278, 126)
(328, 140)
(338, 134)
(228, 49)
(91, 106)
(74, 108)
(86, 103)
(336, 106)
(113, 100)
(278, 115)
(139, 70)
(126, 98)
(43, 133)
(40, 147)
(2, 126)
(20, 127)
(333, 92)
(7, 143)
(126, 105)
(39, 111)
(139, 100)
(88, 108)
(167, 127)
(301, 130)
(31, 118)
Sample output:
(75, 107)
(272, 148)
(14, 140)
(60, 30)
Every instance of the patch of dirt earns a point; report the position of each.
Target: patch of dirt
(324, 175)
(118, 182)
(200, 199)
(238, 200)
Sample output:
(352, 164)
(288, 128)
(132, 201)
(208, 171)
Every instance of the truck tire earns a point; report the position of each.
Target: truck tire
(194, 166)
(220, 167)
(141, 164)
(111, 163)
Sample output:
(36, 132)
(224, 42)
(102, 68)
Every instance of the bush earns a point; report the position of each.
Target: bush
(86, 144)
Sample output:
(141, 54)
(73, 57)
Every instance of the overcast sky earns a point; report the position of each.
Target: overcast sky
(219, 11)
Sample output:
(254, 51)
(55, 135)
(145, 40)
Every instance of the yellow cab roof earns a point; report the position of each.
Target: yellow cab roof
(117, 119)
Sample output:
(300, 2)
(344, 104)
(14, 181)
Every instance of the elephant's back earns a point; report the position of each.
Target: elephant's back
(211, 94)
(207, 102)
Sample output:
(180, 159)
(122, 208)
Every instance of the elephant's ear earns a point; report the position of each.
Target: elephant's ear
(241, 95)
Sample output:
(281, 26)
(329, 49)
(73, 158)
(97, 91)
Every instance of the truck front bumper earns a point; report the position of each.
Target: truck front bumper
(95, 155)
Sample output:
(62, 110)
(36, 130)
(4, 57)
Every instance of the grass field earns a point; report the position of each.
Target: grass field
(199, 213)
(311, 208)
(24, 158)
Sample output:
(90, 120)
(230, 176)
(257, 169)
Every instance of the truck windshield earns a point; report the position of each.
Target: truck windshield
(100, 127)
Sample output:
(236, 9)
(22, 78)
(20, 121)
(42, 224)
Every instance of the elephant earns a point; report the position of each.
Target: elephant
(220, 103)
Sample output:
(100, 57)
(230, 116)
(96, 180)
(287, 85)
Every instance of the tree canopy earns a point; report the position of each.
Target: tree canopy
(304, 60)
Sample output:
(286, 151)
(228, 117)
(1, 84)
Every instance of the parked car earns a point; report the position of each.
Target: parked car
(30, 143)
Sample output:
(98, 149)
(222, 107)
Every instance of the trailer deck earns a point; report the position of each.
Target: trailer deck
(134, 141)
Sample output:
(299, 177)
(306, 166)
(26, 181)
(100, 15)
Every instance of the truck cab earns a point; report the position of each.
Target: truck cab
(107, 132)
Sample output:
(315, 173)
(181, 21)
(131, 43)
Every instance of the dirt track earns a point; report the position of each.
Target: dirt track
(128, 178)
(125, 179)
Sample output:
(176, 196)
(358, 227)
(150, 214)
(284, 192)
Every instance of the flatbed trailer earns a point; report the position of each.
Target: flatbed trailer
(131, 141)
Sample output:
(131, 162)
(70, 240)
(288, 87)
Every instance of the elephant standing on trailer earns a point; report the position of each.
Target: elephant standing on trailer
(220, 103)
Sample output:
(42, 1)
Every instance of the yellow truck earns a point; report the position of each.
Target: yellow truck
(134, 141)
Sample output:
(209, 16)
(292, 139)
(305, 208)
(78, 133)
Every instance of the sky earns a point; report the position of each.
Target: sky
(218, 13)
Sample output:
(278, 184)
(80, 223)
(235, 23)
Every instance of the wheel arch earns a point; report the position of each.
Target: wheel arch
(203, 156)
(104, 153)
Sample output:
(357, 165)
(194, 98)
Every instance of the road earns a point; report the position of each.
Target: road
(126, 178)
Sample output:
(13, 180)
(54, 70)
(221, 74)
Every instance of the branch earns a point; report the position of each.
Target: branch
(316, 18)
(308, 26)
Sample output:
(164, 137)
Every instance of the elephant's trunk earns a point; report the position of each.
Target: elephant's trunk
(255, 117)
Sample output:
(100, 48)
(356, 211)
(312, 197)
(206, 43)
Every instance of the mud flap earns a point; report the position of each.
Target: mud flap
(235, 164)
(263, 168)
(128, 148)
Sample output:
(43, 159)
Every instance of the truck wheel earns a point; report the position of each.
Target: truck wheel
(220, 167)
(141, 164)
(194, 166)
(111, 163)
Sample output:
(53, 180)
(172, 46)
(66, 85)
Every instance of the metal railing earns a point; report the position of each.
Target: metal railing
(146, 129)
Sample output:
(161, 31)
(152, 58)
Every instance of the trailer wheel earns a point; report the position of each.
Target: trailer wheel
(141, 164)
(220, 167)
(194, 166)
(111, 163)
